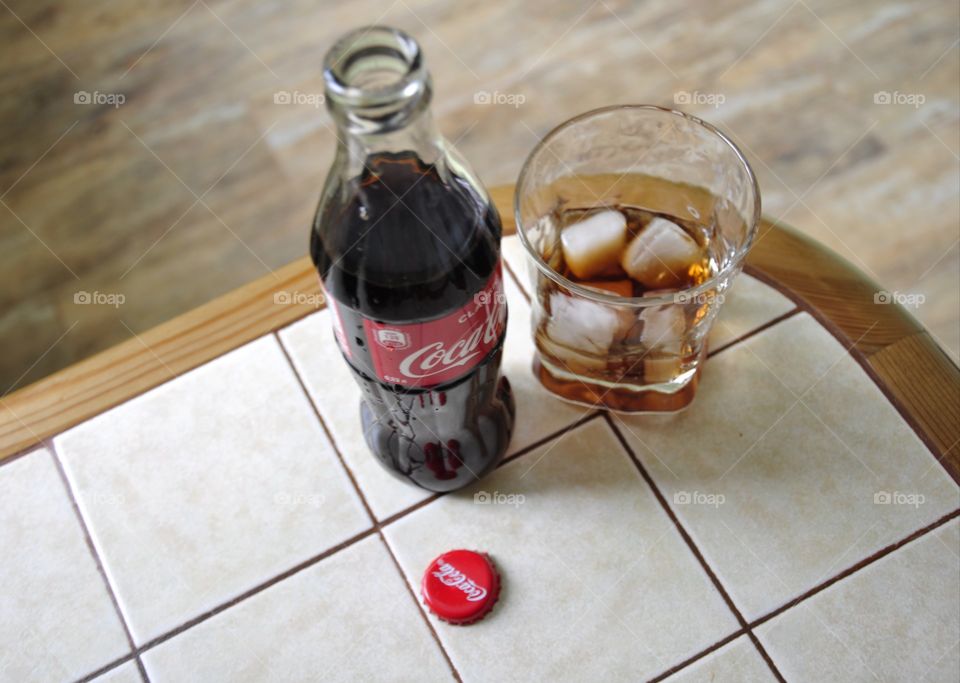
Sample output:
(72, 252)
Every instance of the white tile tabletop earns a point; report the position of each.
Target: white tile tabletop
(330, 384)
(737, 662)
(56, 618)
(125, 673)
(788, 524)
(799, 466)
(207, 486)
(578, 534)
(897, 620)
(346, 618)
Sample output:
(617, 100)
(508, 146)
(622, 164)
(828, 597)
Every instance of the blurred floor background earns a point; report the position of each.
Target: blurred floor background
(146, 168)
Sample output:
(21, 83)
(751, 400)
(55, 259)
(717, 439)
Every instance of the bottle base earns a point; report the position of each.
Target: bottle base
(441, 461)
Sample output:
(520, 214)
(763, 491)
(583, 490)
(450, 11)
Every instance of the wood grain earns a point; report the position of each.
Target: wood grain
(106, 194)
(109, 378)
(903, 359)
(907, 364)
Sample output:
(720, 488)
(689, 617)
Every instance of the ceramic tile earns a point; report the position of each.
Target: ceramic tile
(895, 620)
(511, 248)
(949, 536)
(747, 305)
(781, 494)
(125, 673)
(539, 413)
(314, 353)
(331, 386)
(736, 662)
(348, 617)
(58, 621)
(207, 486)
(583, 548)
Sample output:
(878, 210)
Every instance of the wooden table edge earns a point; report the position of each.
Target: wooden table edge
(903, 359)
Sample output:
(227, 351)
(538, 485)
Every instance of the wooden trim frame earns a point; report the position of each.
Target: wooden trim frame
(902, 358)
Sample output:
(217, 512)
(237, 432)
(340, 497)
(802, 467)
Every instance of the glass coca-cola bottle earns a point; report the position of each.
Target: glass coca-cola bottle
(407, 244)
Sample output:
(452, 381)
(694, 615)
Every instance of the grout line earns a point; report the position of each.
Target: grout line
(699, 655)
(766, 656)
(863, 360)
(885, 389)
(249, 593)
(366, 505)
(410, 509)
(757, 330)
(26, 451)
(108, 667)
(693, 547)
(673, 518)
(516, 281)
(506, 459)
(423, 614)
(580, 421)
(867, 561)
(355, 539)
(326, 431)
(376, 528)
(746, 628)
(96, 557)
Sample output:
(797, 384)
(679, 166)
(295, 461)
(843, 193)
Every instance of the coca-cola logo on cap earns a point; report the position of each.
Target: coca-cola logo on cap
(449, 575)
(435, 352)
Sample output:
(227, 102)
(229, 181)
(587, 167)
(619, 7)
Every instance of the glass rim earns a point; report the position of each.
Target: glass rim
(689, 293)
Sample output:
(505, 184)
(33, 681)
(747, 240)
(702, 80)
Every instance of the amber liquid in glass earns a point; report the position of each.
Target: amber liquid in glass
(594, 352)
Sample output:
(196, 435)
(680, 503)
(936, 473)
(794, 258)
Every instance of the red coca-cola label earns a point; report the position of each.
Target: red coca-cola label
(435, 352)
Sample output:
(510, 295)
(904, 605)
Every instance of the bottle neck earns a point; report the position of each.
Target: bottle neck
(378, 92)
(419, 136)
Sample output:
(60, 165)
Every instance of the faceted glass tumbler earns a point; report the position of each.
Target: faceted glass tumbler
(616, 348)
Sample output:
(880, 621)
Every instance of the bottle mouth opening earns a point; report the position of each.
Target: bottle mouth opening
(374, 66)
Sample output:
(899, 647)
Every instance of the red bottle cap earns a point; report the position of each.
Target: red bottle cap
(461, 586)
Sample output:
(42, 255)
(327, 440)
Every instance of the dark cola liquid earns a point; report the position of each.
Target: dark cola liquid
(401, 245)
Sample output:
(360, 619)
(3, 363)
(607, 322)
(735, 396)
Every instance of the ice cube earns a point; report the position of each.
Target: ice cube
(660, 255)
(583, 325)
(571, 360)
(663, 326)
(594, 244)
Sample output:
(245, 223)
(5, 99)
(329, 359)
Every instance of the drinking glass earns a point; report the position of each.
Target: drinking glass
(633, 347)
